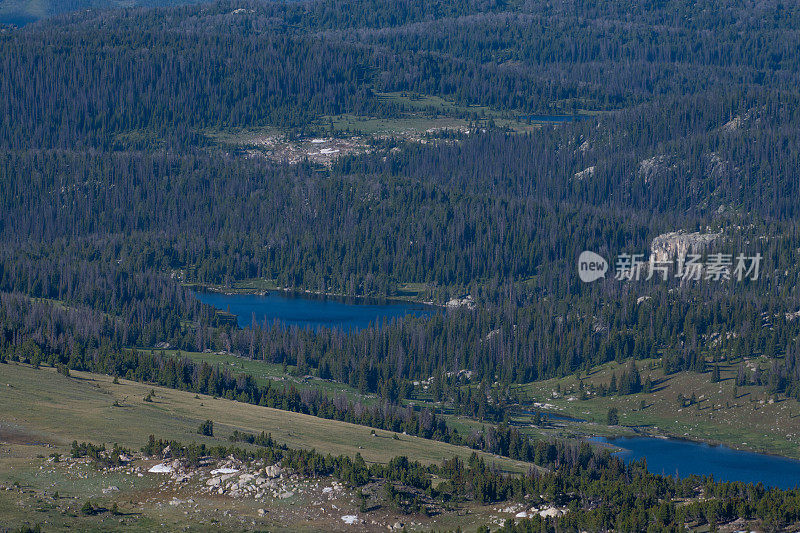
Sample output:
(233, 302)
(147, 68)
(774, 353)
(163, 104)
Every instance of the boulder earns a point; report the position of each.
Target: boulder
(273, 471)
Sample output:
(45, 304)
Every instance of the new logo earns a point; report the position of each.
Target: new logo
(591, 266)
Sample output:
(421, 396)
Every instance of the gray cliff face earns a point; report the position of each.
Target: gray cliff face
(668, 246)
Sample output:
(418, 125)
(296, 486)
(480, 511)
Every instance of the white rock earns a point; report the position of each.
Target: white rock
(224, 471)
(161, 469)
(550, 512)
(273, 471)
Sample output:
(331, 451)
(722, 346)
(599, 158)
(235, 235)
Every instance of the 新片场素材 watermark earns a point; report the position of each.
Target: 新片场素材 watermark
(689, 267)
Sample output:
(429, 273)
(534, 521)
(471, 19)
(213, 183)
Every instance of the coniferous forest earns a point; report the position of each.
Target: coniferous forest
(481, 147)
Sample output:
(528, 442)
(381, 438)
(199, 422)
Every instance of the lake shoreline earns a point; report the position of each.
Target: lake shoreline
(586, 429)
(253, 291)
(692, 457)
(637, 431)
(311, 311)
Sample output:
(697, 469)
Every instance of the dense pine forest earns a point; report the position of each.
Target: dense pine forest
(117, 199)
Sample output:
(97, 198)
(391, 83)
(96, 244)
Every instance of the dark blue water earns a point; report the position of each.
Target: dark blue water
(17, 21)
(312, 312)
(671, 456)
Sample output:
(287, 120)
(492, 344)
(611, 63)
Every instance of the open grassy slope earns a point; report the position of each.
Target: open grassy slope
(61, 409)
(41, 412)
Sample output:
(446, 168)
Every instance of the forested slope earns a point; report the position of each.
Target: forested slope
(113, 192)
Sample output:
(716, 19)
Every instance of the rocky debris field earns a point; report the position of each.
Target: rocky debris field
(216, 492)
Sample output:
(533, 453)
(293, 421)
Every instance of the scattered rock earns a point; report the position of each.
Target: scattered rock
(467, 301)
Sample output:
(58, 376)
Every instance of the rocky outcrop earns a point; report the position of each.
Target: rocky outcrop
(668, 246)
(584, 174)
(718, 168)
(653, 167)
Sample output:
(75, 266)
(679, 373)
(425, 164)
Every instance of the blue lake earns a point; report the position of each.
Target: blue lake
(312, 312)
(17, 21)
(681, 457)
